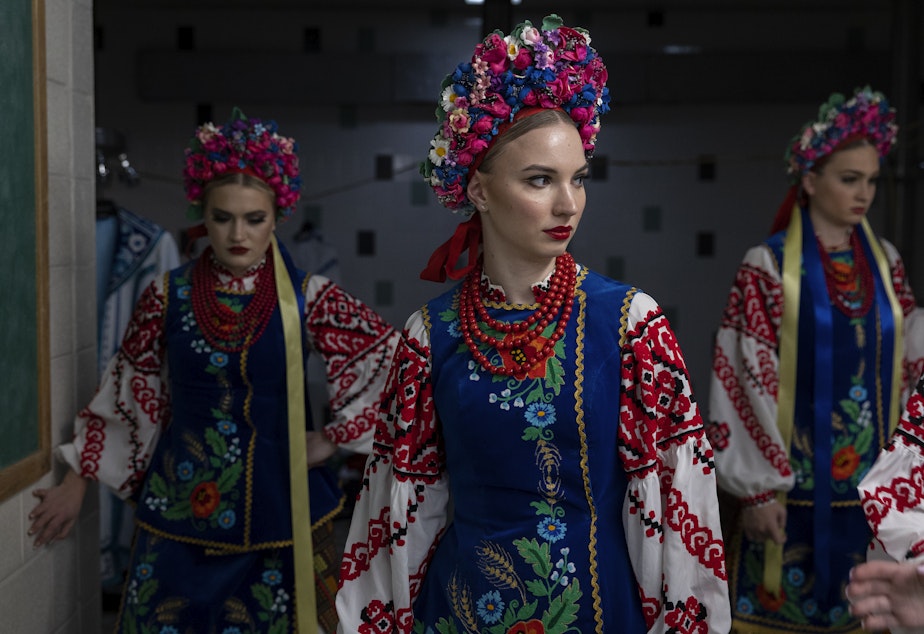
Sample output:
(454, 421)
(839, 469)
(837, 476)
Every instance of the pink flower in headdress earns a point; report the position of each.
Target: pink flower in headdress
(523, 59)
(560, 89)
(448, 190)
(496, 107)
(573, 47)
(459, 121)
(531, 35)
(494, 52)
(531, 98)
(472, 148)
(582, 115)
(482, 126)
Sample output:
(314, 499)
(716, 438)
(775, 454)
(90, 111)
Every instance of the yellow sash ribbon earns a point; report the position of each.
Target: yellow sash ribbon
(898, 317)
(305, 605)
(788, 354)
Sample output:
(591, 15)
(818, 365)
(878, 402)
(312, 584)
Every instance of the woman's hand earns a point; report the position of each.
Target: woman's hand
(319, 448)
(54, 516)
(764, 522)
(887, 594)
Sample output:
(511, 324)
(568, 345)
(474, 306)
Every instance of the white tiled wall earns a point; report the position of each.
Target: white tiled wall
(56, 589)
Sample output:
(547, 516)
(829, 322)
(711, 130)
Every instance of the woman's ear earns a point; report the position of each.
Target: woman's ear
(475, 191)
(808, 182)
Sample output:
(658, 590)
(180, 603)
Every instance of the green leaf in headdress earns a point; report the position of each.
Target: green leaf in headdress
(237, 114)
(551, 22)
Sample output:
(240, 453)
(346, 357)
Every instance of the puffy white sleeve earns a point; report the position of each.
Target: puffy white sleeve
(892, 492)
(913, 323)
(115, 434)
(671, 510)
(401, 511)
(752, 461)
(356, 346)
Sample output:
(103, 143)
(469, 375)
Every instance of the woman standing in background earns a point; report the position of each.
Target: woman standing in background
(201, 416)
(811, 362)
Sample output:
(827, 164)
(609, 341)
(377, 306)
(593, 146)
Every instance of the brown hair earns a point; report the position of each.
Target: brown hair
(238, 178)
(545, 118)
(861, 141)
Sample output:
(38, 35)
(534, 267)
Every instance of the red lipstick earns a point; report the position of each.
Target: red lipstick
(559, 233)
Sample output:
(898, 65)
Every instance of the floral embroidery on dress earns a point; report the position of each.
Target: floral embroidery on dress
(203, 490)
(853, 434)
(553, 584)
(272, 598)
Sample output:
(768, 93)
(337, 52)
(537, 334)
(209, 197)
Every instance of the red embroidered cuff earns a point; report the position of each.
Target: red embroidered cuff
(761, 499)
(916, 550)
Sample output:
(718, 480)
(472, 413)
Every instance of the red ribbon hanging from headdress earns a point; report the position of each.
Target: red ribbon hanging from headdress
(442, 264)
(191, 235)
(784, 213)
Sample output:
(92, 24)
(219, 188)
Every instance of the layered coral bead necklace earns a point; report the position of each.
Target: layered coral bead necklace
(849, 287)
(476, 323)
(224, 328)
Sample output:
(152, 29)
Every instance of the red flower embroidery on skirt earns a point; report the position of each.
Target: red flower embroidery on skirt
(845, 463)
(204, 499)
(768, 601)
(533, 626)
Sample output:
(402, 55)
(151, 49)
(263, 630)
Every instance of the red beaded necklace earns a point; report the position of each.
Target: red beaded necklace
(850, 290)
(474, 321)
(224, 328)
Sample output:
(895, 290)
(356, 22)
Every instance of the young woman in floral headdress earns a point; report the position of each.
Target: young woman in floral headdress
(541, 465)
(201, 417)
(814, 353)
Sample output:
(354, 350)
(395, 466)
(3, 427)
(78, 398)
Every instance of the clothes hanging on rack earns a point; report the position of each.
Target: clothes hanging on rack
(130, 252)
(314, 254)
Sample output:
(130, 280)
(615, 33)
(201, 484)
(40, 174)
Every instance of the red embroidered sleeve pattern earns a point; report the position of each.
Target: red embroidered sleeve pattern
(902, 289)
(902, 494)
(400, 514)
(905, 491)
(755, 305)
(657, 401)
(142, 344)
(140, 398)
(94, 443)
(356, 345)
(410, 416)
(738, 397)
(701, 541)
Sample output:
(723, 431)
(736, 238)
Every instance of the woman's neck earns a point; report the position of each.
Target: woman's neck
(833, 237)
(517, 278)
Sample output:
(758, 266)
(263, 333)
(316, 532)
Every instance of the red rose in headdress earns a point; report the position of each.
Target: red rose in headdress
(496, 107)
(494, 52)
(482, 126)
(523, 59)
(574, 46)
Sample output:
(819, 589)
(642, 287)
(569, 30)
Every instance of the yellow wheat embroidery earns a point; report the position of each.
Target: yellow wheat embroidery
(462, 606)
(236, 611)
(548, 459)
(194, 446)
(496, 564)
(167, 610)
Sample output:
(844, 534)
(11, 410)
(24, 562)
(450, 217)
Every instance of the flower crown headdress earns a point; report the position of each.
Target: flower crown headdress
(249, 146)
(865, 115)
(550, 67)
